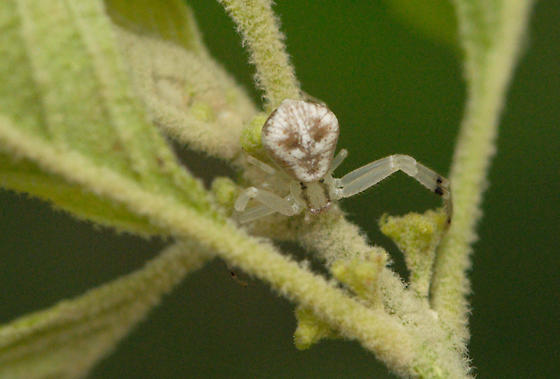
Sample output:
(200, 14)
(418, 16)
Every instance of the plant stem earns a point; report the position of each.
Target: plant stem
(373, 328)
(487, 76)
(259, 28)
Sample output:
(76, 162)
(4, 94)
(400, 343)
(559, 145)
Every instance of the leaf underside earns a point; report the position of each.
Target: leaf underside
(74, 92)
(66, 87)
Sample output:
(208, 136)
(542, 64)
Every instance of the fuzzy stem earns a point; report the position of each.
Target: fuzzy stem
(373, 328)
(332, 237)
(488, 76)
(260, 30)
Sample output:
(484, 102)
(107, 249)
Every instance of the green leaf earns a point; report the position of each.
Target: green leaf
(310, 329)
(22, 175)
(188, 95)
(66, 340)
(65, 82)
(417, 237)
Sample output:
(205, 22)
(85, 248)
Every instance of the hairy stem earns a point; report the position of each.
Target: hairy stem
(259, 28)
(373, 328)
(488, 76)
(332, 237)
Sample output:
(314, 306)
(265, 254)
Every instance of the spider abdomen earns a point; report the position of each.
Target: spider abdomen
(301, 137)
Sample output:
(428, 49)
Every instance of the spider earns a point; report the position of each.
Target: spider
(300, 138)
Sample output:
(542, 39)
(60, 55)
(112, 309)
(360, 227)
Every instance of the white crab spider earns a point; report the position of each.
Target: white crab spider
(300, 138)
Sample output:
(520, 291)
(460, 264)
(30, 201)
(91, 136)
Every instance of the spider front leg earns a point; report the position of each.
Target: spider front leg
(261, 165)
(369, 175)
(271, 203)
(338, 159)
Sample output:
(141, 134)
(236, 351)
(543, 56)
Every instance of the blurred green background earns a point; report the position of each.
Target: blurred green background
(393, 78)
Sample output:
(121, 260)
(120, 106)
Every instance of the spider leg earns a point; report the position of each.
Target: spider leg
(369, 175)
(254, 213)
(338, 159)
(270, 203)
(261, 165)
